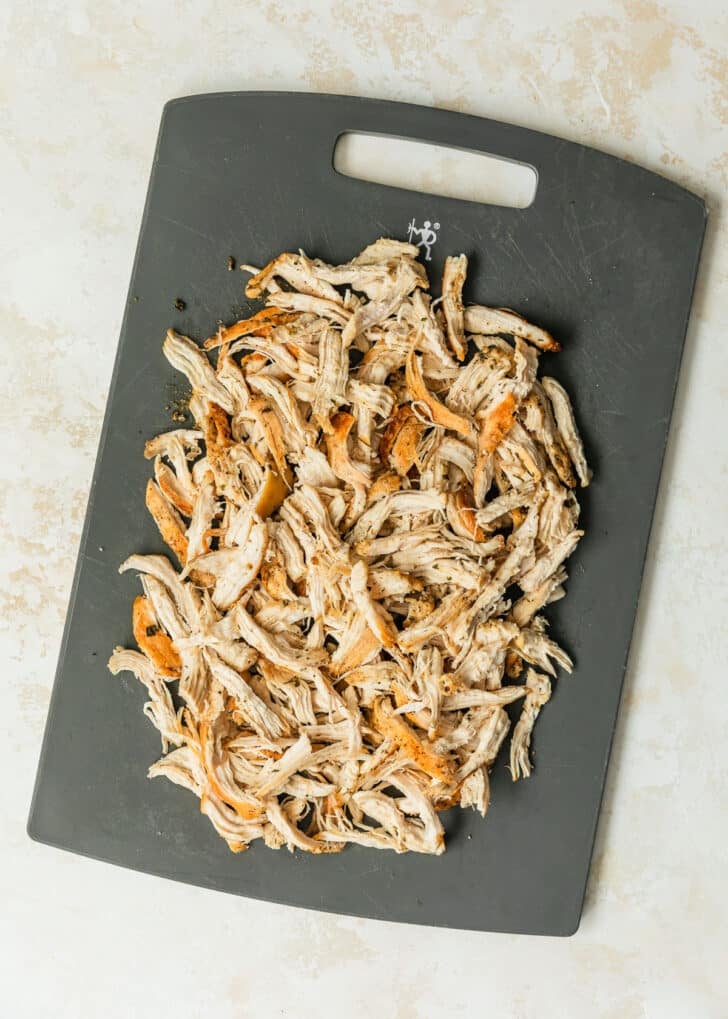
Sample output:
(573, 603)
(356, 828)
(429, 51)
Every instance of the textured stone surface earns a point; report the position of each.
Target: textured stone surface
(82, 88)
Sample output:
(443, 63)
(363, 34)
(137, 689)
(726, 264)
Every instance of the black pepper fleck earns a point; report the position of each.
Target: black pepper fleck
(179, 304)
(179, 406)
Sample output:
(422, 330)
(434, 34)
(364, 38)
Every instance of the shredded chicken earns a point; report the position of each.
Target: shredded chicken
(334, 652)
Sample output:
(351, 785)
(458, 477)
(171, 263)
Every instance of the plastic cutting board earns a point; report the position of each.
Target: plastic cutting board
(606, 259)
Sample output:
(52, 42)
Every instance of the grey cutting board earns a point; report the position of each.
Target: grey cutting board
(605, 258)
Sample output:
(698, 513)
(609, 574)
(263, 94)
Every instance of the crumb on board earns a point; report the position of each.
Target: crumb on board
(230, 263)
(179, 304)
(179, 403)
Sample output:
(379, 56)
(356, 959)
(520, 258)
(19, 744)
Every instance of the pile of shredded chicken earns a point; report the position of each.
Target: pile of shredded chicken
(367, 526)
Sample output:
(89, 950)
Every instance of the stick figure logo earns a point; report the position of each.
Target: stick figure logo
(427, 234)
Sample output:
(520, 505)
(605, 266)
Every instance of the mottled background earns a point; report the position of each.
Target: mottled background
(82, 85)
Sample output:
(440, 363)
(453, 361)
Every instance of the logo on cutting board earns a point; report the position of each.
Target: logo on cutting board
(427, 234)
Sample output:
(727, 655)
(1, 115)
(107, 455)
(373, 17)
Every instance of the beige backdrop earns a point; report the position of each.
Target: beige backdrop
(81, 90)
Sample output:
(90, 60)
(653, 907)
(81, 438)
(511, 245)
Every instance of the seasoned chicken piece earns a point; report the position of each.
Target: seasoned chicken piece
(181, 766)
(484, 664)
(159, 708)
(271, 492)
(401, 436)
(376, 270)
(203, 513)
(355, 474)
(519, 444)
(235, 569)
(299, 433)
(564, 415)
(413, 748)
(370, 404)
(291, 551)
(313, 468)
(385, 249)
(227, 471)
(549, 561)
(271, 431)
(427, 677)
(492, 429)
(453, 278)
(359, 645)
(186, 357)
(489, 740)
(539, 422)
(185, 597)
(423, 399)
(170, 487)
(539, 692)
(436, 625)
(387, 294)
(177, 447)
(163, 606)
(430, 338)
(404, 503)
(259, 324)
(330, 390)
(388, 354)
(491, 321)
(270, 348)
(156, 645)
(194, 680)
(548, 591)
(368, 315)
(296, 270)
(378, 619)
(322, 306)
(492, 513)
(169, 522)
(478, 379)
(535, 647)
(475, 791)
(255, 711)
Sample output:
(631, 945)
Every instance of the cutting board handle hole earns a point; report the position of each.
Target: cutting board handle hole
(435, 169)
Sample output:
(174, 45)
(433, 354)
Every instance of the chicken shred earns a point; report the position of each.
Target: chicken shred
(334, 652)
